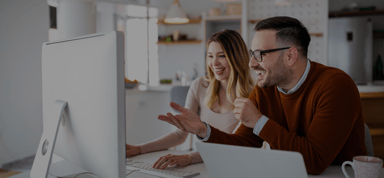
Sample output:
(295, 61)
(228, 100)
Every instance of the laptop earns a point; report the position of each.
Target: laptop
(227, 161)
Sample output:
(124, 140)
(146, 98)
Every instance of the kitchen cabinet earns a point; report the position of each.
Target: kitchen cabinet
(142, 109)
(372, 101)
(373, 113)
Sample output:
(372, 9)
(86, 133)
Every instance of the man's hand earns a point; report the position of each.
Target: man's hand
(188, 121)
(246, 112)
(164, 161)
(131, 150)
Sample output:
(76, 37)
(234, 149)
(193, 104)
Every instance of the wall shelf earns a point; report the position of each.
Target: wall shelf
(179, 42)
(225, 17)
(191, 21)
(316, 34)
(341, 14)
(357, 13)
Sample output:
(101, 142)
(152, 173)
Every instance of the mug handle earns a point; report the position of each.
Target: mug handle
(343, 167)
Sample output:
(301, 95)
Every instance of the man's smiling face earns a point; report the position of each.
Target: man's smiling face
(272, 70)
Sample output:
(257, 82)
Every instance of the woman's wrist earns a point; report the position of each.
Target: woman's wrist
(195, 157)
(189, 158)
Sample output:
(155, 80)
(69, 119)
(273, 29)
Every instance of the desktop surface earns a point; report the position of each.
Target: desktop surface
(62, 167)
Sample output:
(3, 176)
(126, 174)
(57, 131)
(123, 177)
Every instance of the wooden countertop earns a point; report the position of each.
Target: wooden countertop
(371, 91)
(372, 95)
(364, 90)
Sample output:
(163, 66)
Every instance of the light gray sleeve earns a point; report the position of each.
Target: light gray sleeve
(208, 133)
(260, 124)
(256, 130)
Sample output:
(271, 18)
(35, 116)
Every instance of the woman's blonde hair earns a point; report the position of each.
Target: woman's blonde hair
(240, 82)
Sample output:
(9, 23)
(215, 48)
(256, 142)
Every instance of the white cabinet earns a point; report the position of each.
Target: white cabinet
(142, 110)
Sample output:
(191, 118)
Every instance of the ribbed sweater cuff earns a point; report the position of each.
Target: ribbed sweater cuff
(260, 124)
(208, 133)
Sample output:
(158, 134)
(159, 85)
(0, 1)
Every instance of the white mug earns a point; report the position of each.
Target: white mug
(364, 166)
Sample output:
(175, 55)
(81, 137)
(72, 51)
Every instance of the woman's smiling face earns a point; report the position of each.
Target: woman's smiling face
(217, 61)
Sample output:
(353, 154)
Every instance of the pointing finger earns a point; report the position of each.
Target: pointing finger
(168, 120)
(177, 107)
(175, 121)
(162, 117)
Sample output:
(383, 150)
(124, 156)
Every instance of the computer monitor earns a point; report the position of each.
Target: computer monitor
(87, 74)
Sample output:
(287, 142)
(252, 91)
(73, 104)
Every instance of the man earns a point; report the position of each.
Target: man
(297, 105)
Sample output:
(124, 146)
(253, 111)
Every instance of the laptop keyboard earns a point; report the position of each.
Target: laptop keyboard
(167, 172)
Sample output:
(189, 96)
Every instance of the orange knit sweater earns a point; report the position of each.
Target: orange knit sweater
(322, 120)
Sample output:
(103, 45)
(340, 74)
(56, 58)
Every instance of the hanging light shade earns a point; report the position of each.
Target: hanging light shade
(175, 15)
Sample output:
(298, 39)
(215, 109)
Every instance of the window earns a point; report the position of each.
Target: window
(141, 33)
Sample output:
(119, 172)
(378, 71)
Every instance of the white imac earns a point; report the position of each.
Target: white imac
(84, 105)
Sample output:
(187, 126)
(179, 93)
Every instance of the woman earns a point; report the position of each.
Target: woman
(228, 78)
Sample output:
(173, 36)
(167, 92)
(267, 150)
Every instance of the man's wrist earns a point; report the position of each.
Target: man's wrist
(256, 120)
(207, 132)
(203, 130)
(260, 124)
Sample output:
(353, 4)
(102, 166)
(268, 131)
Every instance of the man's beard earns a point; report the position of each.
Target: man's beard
(280, 78)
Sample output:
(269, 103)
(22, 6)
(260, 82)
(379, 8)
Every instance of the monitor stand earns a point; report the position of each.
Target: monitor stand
(44, 152)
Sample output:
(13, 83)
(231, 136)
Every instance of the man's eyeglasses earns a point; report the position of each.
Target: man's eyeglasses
(259, 54)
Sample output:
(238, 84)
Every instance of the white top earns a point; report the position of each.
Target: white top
(225, 122)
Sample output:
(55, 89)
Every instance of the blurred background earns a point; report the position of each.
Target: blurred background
(160, 55)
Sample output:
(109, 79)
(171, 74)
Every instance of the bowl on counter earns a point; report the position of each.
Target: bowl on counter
(130, 85)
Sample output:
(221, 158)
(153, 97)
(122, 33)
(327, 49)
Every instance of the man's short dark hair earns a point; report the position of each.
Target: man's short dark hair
(288, 31)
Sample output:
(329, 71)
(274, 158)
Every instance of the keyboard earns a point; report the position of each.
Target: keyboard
(173, 172)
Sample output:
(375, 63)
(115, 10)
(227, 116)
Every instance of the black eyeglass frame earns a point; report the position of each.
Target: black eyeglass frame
(252, 53)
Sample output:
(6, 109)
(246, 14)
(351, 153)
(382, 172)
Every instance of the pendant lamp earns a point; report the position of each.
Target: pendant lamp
(175, 15)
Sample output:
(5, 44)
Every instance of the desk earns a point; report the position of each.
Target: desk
(62, 167)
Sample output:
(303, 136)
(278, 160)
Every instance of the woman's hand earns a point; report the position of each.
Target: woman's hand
(164, 161)
(132, 150)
